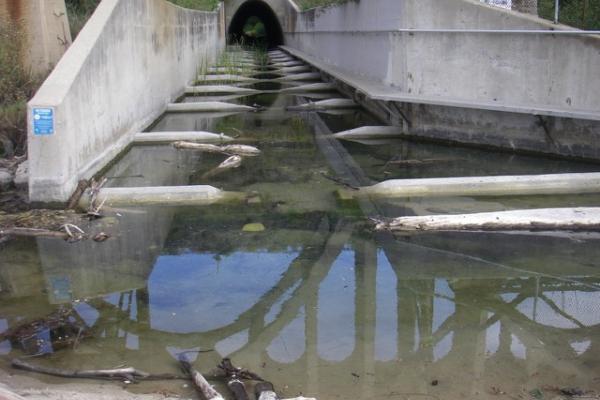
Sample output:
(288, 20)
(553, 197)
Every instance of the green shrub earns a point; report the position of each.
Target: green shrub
(308, 4)
(17, 85)
(204, 5)
(583, 14)
(79, 11)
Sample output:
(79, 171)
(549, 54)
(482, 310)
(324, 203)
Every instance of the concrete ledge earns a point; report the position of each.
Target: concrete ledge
(207, 106)
(163, 196)
(166, 137)
(116, 78)
(487, 186)
(378, 91)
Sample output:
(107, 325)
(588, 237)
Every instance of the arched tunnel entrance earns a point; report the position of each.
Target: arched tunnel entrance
(255, 24)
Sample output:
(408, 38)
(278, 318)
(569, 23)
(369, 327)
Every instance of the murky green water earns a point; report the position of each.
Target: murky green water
(316, 302)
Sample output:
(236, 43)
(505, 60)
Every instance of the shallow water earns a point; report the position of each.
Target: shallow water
(316, 302)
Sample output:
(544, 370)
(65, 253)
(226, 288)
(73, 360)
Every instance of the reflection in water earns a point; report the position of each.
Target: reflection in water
(342, 305)
(315, 303)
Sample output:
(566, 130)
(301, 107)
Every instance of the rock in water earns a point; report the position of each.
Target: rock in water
(254, 227)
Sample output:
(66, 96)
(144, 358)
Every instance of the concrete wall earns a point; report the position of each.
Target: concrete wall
(556, 73)
(130, 60)
(46, 27)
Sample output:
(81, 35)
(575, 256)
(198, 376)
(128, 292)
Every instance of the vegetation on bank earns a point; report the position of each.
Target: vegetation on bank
(308, 4)
(583, 14)
(17, 85)
(204, 5)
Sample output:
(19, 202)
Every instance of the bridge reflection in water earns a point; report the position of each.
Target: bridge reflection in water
(332, 310)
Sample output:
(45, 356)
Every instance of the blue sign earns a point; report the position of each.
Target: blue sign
(43, 121)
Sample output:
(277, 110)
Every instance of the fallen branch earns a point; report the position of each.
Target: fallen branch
(230, 163)
(206, 147)
(231, 370)
(535, 219)
(93, 209)
(32, 232)
(74, 199)
(200, 382)
(125, 374)
(230, 149)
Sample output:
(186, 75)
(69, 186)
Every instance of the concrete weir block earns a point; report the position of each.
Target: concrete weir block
(329, 104)
(188, 136)
(371, 132)
(196, 195)
(225, 78)
(308, 76)
(487, 186)
(313, 87)
(207, 106)
(217, 89)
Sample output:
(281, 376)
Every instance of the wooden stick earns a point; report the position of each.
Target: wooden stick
(74, 199)
(535, 219)
(200, 382)
(32, 232)
(129, 373)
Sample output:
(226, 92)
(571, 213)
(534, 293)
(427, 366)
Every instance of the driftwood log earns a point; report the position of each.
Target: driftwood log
(122, 374)
(230, 149)
(536, 219)
(230, 163)
(200, 382)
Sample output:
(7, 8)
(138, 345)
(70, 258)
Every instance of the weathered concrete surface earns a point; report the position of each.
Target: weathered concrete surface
(207, 106)
(213, 89)
(524, 92)
(163, 195)
(130, 60)
(46, 27)
(487, 186)
(191, 136)
(544, 71)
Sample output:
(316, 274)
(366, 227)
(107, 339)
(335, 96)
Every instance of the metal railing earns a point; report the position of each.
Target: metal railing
(582, 14)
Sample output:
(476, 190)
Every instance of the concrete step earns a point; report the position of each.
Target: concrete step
(218, 89)
(207, 106)
(190, 136)
(196, 195)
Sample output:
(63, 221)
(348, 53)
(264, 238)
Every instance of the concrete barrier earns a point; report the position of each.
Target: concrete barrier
(454, 72)
(547, 71)
(131, 59)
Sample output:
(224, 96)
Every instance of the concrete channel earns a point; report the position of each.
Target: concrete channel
(285, 276)
(270, 235)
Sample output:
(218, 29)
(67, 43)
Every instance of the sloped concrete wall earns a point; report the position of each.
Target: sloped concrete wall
(518, 70)
(130, 60)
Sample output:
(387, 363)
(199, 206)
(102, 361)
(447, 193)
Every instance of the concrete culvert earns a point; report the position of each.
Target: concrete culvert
(255, 23)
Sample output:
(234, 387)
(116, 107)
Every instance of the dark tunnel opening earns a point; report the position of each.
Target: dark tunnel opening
(255, 24)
